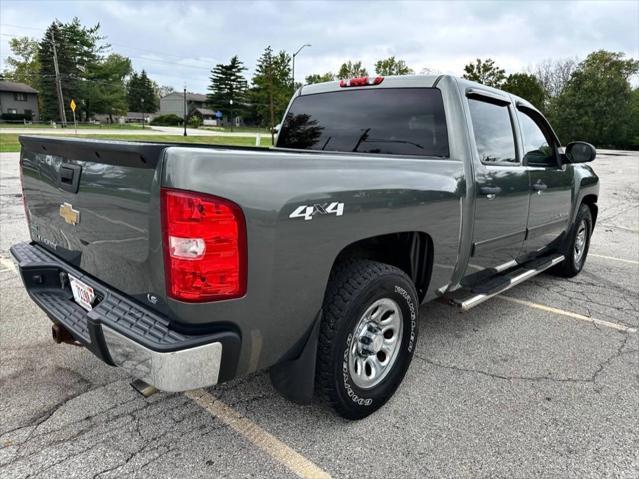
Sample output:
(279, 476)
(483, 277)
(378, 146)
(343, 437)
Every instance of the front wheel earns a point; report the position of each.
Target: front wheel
(367, 337)
(577, 244)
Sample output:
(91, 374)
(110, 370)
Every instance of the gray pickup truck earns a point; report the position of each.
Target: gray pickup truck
(190, 265)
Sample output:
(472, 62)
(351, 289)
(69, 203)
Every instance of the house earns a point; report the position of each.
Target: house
(18, 101)
(173, 103)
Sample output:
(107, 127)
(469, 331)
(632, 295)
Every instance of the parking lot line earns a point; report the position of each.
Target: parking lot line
(257, 436)
(614, 259)
(569, 314)
(8, 264)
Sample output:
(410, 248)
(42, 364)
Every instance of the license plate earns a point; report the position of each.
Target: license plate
(82, 293)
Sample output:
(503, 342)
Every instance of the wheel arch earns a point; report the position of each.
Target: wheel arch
(591, 201)
(410, 251)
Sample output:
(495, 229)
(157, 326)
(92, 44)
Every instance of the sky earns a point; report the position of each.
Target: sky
(178, 43)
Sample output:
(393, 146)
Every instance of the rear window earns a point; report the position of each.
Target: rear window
(401, 121)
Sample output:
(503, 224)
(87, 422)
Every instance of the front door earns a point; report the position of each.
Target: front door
(550, 183)
(502, 186)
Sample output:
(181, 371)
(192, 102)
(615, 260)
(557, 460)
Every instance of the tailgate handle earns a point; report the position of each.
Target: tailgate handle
(69, 177)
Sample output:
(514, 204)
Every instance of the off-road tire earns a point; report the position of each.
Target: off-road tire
(354, 285)
(571, 266)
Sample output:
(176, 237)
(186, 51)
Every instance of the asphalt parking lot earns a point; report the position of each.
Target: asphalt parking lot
(543, 382)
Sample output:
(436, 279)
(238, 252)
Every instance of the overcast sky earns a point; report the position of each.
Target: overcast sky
(178, 42)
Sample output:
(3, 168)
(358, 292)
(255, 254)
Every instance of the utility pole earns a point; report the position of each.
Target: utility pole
(184, 110)
(270, 98)
(63, 114)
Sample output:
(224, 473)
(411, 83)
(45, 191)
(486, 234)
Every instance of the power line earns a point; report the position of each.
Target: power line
(130, 48)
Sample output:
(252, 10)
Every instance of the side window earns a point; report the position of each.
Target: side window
(493, 132)
(538, 149)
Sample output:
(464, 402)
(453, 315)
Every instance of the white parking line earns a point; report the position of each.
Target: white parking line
(569, 314)
(257, 436)
(630, 261)
(8, 264)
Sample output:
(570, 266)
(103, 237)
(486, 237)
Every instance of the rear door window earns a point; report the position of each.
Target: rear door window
(392, 121)
(494, 134)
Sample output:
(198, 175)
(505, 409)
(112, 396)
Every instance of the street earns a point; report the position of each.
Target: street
(540, 382)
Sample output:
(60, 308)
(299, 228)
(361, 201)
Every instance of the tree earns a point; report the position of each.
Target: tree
(596, 104)
(485, 72)
(24, 66)
(554, 74)
(320, 78)
(141, 87)
(351, 70)
(526, 86)
(78, 49)
(272, 86)
(105, 89)
(163, 90)
(228, 85)
(391, 66)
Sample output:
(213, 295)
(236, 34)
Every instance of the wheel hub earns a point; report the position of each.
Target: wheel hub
(376, 343)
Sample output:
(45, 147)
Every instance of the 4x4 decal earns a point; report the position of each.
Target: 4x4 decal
(308, 211)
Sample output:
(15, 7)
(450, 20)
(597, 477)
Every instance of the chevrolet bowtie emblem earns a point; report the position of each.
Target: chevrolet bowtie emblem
(70, 215)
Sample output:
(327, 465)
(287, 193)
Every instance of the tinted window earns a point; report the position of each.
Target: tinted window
(401, 121)
(493, 132)
(537, 150)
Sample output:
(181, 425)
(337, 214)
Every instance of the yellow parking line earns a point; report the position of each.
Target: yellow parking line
(257, 436)
(614, 259)
(569, 314)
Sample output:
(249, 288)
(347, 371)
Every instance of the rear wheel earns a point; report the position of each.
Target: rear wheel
(367, 336)
(577, 245)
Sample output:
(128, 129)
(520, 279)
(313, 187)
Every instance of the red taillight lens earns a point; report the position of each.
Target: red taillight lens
(361, 81)
(204, 246)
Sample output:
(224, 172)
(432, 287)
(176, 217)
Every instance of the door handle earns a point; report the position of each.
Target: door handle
(490, 191)
(539, 187)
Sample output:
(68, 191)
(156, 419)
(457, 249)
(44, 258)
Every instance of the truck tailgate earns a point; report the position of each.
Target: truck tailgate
(94, 204)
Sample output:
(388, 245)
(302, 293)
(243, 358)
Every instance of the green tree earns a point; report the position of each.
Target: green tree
(634, 119)
(228, 85)
(392, 66)
(596, 104)
(24, 65)
(320, 78)
(485, 72)
(526, 86)
(351, 70)
(104, 88)
(78, 49)
(271, 90)
(141, 87)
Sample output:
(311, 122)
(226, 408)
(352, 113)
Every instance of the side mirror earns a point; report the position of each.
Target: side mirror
(580, 152)
(276, 128)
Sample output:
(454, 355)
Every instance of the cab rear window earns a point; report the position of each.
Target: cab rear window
(392, 121)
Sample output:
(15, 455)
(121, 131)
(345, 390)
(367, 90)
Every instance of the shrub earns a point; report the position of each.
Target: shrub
(167, 120)
(16, 116)
(195, 121)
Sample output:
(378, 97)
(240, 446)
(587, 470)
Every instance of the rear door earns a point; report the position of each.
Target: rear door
(550, 182)
(502, 188)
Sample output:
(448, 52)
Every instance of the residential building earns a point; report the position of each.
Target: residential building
(173, 103)
(18, 99)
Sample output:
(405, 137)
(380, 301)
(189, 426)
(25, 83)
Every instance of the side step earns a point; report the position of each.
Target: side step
(466, 298)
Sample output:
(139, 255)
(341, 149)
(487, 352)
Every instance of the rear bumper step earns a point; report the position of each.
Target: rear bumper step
(123, 333)
(466, 299)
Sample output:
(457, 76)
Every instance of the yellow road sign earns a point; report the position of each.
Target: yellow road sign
(72, 105)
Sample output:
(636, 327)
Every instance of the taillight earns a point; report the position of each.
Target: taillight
(361, 81)
(204, 246)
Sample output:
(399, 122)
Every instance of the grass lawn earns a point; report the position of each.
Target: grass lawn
(243, 129)
(9, 141)
(105, 126)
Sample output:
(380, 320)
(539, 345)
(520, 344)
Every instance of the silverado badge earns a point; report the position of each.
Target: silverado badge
(70, 215)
